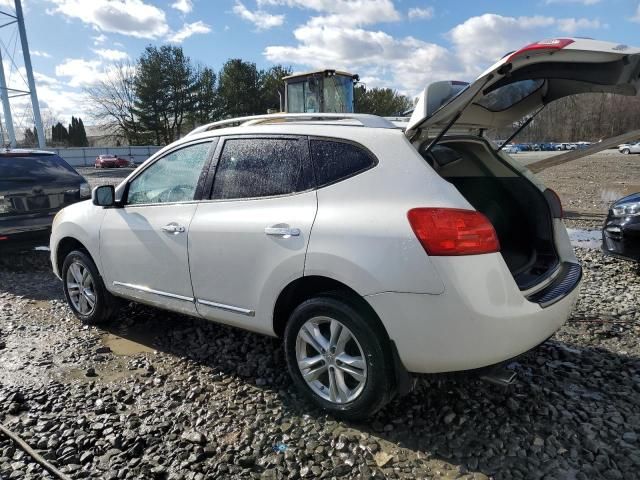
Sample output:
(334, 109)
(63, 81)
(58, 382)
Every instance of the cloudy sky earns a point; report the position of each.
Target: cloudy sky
(403, 44)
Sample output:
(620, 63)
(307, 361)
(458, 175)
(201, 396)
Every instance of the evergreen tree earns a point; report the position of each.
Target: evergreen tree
(59, 134)
(239, 88)
(77, 133)
(206, 103)
(164, 87)
(381, 101)
(272, 86)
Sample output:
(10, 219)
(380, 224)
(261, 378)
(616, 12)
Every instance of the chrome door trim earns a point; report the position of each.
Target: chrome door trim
(144, 289)
(228, 308)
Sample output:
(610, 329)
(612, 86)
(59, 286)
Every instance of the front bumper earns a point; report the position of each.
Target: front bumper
(481, 319)
(621, 237)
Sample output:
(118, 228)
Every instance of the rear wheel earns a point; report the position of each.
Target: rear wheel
(626, 151)
(337, 357)
(85, 291)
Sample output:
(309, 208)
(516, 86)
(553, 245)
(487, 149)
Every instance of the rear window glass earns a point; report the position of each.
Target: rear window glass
(260, 167)
(34, 167)
(507, 96)
(334, 161)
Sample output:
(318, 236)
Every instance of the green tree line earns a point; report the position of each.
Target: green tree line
(164, 95)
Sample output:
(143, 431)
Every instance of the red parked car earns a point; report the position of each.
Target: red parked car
(111, 161)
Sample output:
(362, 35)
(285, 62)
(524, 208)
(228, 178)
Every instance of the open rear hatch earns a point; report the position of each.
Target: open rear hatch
(523, 82)
(517, 86)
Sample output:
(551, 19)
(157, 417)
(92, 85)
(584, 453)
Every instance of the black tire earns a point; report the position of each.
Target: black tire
(105, 305)
(379, 384)
(626, 151)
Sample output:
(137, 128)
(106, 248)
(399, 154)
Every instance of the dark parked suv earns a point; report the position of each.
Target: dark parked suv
(34, 186)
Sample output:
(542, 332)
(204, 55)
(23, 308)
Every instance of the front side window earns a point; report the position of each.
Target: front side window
(173, 178)
(334, 161)
(260, 167)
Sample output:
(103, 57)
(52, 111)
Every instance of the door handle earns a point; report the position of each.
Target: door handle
(173, 228)
(285, 232)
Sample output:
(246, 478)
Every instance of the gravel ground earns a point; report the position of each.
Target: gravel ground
(588, 186)
(159, 395)
(156, 395)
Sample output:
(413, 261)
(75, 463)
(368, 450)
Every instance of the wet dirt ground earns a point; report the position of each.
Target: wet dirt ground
(156, 395)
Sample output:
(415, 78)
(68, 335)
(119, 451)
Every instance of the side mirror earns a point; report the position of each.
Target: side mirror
(104, 196)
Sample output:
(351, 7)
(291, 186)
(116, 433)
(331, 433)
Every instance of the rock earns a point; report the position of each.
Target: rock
(382, 458)
(90, 372)
(449, 417)
(193, 436)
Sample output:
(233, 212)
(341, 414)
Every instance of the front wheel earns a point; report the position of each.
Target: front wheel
(338, 358)
(85, 291)
(626, 151)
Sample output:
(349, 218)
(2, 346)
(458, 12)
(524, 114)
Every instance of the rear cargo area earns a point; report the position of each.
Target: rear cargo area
(517, 209)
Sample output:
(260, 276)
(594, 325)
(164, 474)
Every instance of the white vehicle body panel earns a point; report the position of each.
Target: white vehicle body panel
(237, 268)
(142, 262)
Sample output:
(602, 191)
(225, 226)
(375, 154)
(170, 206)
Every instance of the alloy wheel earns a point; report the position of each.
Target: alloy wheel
(331, 360)
(81, 288)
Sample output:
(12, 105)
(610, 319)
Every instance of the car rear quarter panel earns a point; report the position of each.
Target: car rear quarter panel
(361, 235)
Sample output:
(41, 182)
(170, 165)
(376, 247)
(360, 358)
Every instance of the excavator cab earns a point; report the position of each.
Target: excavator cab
(325, 91)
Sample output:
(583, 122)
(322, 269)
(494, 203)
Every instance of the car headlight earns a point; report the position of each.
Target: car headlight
(85, 190)
(630, 209)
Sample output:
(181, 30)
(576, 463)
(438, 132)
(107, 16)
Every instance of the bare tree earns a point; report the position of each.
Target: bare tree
(112, 99)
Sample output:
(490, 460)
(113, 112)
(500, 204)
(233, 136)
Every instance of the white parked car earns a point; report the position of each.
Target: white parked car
(371, 250)
(510, 148)
(628, 148)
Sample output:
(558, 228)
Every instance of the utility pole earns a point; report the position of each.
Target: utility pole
(7, 93)
(6, 106)
(37, 119)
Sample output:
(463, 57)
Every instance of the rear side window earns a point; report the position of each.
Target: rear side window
(334, 161)
(36, 167)
(261, 167)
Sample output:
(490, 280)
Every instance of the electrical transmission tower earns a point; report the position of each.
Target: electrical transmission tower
(11, 19)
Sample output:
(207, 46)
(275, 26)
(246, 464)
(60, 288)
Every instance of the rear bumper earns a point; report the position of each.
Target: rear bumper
(481, 319)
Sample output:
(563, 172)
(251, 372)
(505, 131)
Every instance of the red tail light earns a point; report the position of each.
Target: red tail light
(449, 231)
(544, 45)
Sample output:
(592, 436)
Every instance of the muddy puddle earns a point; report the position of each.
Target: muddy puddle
(585, 238)
(125, 346)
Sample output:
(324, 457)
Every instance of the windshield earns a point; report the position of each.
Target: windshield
(338, 94)
(333, 94)
(303, 97)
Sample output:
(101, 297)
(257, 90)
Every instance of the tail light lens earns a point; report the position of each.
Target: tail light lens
(554, 203)
(449, 231)
(543, 46)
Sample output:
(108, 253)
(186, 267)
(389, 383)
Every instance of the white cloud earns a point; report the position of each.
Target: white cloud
(188, 30)
(409, 62)
(185, 6)
(80, 72)
(127, 17)
(261, 19)
(572, 25)
(40, 53)
(344, 12)
(111, 54)
(99, 39)
(583, 2)
(636, 17)
(483, 40)
(418, 13)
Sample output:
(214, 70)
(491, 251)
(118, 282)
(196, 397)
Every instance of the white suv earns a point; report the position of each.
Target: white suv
(372, 250)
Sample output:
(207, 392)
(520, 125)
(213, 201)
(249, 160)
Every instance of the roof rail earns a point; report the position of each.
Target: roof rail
(364, 120)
